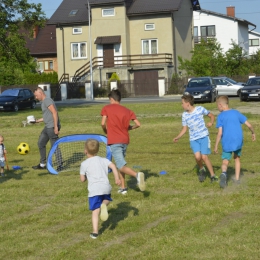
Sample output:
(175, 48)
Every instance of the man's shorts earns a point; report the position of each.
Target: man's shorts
(118, 153)
(96, 201)
(201, 145)
(228, 155)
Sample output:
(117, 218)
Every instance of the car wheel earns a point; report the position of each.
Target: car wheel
(242, 99)
(33, 105)
(16, 107)
(238, 93)
(212, 98)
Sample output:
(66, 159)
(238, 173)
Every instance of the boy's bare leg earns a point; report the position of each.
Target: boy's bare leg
(198, 159)
(237, 166)
(206, 160)
(123, 171)
(224, 165)
(95, 215)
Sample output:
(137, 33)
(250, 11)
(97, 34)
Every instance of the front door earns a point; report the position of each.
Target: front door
(108, 55)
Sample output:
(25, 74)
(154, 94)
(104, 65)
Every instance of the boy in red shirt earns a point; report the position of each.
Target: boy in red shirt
(115, 123)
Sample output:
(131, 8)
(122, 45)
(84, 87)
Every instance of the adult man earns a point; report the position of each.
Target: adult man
(51, 129)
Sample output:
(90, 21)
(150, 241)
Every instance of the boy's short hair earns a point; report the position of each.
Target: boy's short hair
(115, 94)
(188, 99)
(222, 99)
(92, 146)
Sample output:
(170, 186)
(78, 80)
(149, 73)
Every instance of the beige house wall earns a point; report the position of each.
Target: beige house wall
(109, 26)
(71, 65)
(162, 32)
(183, 31)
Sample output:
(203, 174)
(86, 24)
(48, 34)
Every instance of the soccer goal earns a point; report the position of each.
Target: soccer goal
(67, 152)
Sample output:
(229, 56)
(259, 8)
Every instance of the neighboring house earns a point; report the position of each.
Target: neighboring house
(223, 28)
(254, 42)
(43, 48)
(140, 40)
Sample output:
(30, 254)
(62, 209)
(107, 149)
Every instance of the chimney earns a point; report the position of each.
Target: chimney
(35, 31)
(231, 11)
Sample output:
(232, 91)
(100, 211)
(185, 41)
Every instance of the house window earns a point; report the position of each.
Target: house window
(108, 12)
(77, 30)
(149, 26)
(196, 34)
(45, 65)
(78, 50)
(207, 31)
(254, 42)
(73, 12)
(149, 46)
(109, 74)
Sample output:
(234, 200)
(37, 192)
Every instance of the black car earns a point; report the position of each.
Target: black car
(16, 98)
(203, 89)
(251, 90)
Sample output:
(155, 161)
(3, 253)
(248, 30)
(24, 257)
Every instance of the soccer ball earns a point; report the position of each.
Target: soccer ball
(23, 148)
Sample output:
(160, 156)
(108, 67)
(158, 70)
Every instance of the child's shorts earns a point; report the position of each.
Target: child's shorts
(2, 163)
(119, 152)
(228, 155)
(96, 201)
(201, 145)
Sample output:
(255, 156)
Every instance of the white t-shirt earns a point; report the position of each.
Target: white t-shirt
(96, 171)
(196, 123)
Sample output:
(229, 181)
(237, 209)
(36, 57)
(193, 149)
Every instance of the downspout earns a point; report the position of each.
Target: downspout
(63, 50)
(174, 44)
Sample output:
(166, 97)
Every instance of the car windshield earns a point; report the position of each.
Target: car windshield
(10, 92)
(253, 81)
(198, 83)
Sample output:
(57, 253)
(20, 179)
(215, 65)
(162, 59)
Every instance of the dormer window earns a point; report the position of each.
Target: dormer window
(73, 12)
(108, 12)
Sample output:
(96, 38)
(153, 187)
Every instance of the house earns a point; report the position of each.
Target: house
(42, 47)
(254, 42)
(140, 40)
(222, 27)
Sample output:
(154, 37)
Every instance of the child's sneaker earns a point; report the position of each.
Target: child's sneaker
(202, 174)
(93, 235)
(122, 191)
(213, 178)
(140, 181)
(223, 180)
(103, 212)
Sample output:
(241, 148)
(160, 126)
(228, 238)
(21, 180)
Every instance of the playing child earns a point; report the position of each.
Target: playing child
(95, 170)
(193, 119)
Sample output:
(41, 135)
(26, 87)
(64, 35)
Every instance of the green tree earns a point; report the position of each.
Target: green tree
(207, 60)
(16, 15)
(237, 62)
(254, 62)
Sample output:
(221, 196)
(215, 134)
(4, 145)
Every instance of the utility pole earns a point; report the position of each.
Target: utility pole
(90, 53)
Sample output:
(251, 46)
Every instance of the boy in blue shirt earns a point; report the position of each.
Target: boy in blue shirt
(230, 133)
(193, 118)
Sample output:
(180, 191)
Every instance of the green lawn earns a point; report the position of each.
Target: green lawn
(46, 216)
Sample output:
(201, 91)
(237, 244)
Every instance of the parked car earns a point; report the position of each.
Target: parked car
(203, 89)
(227, 86)
(17, 98)
(251, 90)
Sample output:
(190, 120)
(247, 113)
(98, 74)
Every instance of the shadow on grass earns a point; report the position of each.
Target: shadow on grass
(217, 171)
(118, 214)
(13, 174)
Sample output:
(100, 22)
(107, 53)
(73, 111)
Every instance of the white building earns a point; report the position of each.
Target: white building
(223, 27)
(254, 42)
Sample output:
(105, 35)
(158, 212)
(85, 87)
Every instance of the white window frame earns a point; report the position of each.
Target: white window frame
(152, 27)
(251, 42)
(150, 46)
(79, 56)
(108, 9)
(77, 30)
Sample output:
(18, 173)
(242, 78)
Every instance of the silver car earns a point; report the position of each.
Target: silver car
(227, 86)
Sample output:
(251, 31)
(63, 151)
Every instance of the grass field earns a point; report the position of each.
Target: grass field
(46, 216)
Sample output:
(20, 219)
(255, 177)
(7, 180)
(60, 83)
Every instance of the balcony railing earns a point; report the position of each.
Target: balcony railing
(199, 39)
